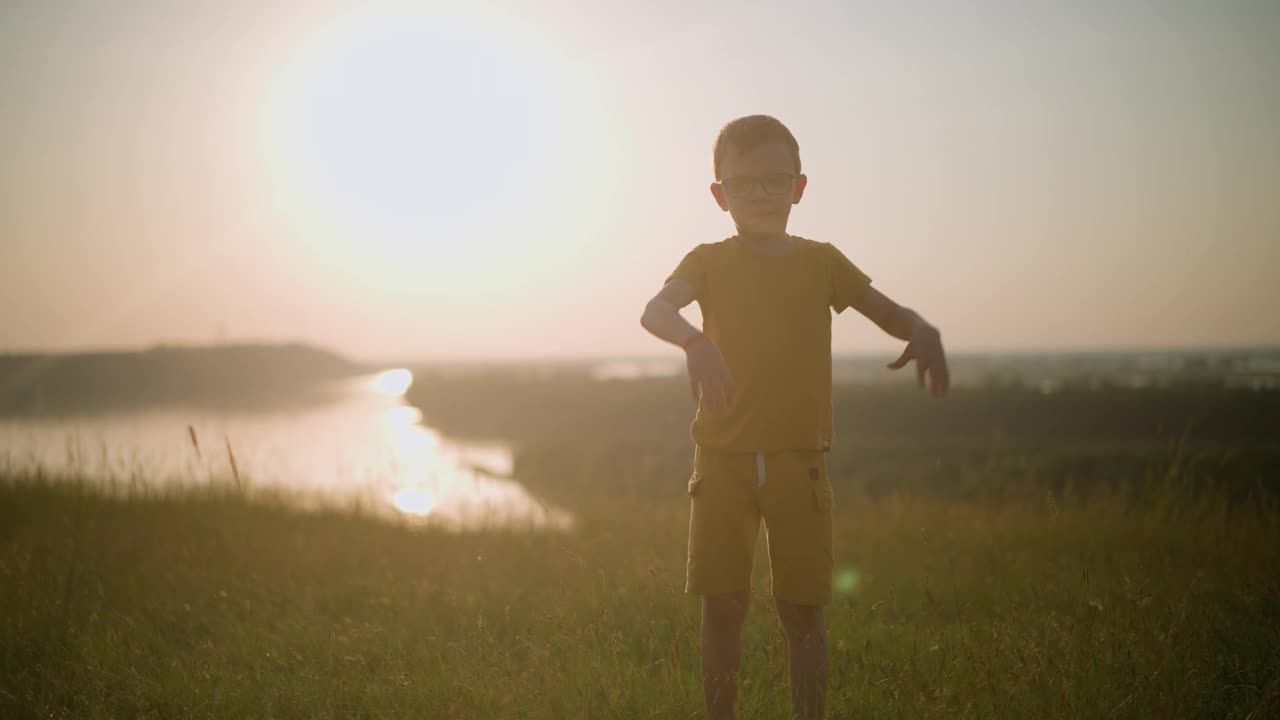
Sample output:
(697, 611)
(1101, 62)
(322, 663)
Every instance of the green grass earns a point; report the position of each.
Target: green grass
(199, 604)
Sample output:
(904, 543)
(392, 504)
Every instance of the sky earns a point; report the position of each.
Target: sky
(510, 179)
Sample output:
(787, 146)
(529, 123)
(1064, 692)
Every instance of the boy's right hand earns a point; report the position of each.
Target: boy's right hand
(709, 374)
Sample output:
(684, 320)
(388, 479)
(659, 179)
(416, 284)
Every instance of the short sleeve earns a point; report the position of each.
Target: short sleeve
(692, 269)
(847, 281)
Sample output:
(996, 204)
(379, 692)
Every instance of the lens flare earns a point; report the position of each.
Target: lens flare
(847, 580)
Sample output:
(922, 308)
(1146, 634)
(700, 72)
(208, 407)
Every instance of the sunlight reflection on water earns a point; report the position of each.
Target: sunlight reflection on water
(392, 382)
(367, 447)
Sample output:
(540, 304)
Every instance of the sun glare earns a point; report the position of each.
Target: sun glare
(391, 132)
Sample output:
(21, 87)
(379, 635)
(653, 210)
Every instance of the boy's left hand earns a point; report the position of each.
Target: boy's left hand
(925, 347)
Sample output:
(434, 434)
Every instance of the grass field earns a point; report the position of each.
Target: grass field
(1156, 598)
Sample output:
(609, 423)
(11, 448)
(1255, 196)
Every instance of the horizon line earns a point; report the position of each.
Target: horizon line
(490, 359)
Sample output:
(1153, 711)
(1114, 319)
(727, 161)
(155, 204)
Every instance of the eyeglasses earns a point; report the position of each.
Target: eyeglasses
(775, 184)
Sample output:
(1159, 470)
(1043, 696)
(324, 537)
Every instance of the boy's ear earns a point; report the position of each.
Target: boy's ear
(718, 193)
(801, 182)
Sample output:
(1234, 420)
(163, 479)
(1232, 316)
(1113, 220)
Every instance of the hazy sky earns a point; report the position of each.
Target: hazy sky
(508, 178)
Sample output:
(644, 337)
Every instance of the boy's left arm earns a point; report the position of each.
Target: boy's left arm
(924, 342)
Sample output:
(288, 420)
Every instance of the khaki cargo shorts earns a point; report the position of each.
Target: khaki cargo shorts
(730, 493)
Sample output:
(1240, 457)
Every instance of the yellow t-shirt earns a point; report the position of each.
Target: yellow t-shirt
(770, 316)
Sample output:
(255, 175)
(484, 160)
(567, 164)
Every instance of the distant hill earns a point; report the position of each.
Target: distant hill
(241, 376)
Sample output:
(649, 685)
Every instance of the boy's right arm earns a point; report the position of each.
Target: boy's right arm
(707, 370)
(662, 315)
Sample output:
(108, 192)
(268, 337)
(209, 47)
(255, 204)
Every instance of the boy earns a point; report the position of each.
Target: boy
(761, 374)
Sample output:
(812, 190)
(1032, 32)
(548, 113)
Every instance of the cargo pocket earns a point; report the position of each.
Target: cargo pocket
(820, 489)
(695, 482)
(822, 498)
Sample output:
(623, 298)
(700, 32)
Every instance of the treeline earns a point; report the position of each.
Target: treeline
(521, 407)
(239, 376)
(575, 436)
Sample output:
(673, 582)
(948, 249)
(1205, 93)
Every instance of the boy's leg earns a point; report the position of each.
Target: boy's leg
(806, 630)
(724, 523)
(796, 504)
(722, 619)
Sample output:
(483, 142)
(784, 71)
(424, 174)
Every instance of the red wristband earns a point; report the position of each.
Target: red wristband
(690, 340)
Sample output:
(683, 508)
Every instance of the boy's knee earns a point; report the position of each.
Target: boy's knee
(725, 607)
(801, 618)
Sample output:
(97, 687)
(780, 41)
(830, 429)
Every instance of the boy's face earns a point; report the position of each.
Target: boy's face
(758, 187)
